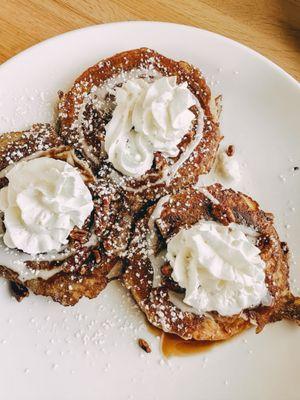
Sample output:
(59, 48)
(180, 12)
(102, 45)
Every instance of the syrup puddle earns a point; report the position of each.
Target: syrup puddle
(173, 345)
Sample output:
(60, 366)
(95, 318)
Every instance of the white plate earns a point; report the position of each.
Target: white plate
(89, 351)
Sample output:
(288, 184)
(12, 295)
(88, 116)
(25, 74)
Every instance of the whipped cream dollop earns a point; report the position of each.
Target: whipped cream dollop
(148, 118)
(219, 267)
(44, 200)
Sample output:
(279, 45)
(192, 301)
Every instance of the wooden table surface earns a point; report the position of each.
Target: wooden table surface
(272, 27)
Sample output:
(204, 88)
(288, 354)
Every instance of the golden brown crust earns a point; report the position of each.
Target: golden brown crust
(91, 131)
(68, 288)
(184, 210)
(17, 145)
(85, 268)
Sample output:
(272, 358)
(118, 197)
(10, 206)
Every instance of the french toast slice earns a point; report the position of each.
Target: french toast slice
(83, 267)
(182, 211)
(88, 106)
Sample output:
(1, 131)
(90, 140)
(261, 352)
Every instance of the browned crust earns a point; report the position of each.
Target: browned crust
(88, 281)
(202, 158)
(16, 145)
(84, 272)
(184, 210)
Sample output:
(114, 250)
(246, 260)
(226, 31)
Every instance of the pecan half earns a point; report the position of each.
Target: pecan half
(79, 235)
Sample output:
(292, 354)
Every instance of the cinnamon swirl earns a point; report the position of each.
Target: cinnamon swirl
(143, 120)
(55, 218)
(206, 264)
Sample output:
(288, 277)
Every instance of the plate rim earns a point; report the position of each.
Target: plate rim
(217, 36)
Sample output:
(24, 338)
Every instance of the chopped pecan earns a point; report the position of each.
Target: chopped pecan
(97, 255)
(76, 261)
(79, 235)
(101, 215)
(230, 150)
(18, 291)
(144, 345)
(223, 214)
(166, 269)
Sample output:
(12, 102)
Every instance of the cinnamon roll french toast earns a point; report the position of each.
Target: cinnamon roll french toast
(55, 218)
(207, 263)
(144, 121)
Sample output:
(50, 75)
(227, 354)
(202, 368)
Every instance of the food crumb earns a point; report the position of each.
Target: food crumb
(230, 150)
(144, 345)
(18, 291)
